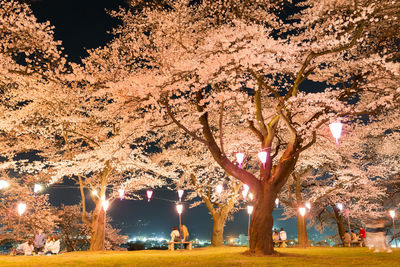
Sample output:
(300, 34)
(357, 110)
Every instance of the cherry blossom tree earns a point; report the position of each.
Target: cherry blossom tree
(244, 68)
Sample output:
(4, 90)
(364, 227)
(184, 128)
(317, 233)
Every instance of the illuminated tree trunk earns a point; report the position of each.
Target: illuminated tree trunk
(217, 237)
(302, 234)
(97, 229)
(261, 224)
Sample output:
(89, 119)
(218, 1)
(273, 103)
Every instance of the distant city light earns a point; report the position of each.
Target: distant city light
(240, 158)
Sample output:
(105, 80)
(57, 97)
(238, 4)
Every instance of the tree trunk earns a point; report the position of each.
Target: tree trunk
(339, 223)
(302, 234)
(97, 229)
(217, 237)
(262, 222)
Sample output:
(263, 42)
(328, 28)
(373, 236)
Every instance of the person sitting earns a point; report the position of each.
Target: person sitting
(275, 235)
(48, 246)
(56, 245)
(39, 242)
(25, 248)
(175, 234)
(283, 237)
(346, 239)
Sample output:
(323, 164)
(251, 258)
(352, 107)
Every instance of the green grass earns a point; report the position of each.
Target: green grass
(207, 257)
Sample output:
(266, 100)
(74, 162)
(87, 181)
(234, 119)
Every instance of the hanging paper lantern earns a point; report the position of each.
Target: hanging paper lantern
(21, 208)
(262, 155)
(121, 193)
(37, 188)
(277, 202)
(240, 158)
(336, 130)
(219, 188)
(339, 206)
(149, 194)
(106, 204)
(179, 208)
(308, 205)
(250, 209)
(180, 194)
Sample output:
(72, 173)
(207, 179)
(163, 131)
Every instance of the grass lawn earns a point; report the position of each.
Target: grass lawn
(207, 257)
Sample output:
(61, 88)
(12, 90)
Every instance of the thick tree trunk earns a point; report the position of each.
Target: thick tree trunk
(302, 234)
(217, 237)
(339, 223)
(262, 222)
(97, 230)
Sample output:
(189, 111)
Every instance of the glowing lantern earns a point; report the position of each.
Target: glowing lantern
(392, 213)
(37, 188)
(277, 202)
(219, 188)
(308, 205)
(179, 208)
(339, 206)
(121, 193)
(240, 158)
(106, 204)
(302, 211)
(3, 184)
(149, 194)
(262, 155)
(21, 208)
(250, 209)
(251, 196)
(336, 130)
(95, 192)
(180, 194)
(245, 191)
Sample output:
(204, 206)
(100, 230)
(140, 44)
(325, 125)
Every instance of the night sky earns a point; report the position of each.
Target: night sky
(83, 24)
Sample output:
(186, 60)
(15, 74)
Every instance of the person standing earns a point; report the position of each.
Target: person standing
(363, 234)
(39, 241)
(283, 237)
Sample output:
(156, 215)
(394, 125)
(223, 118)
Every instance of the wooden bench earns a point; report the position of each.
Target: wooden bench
(359, 242)
(281, 242)
(171, 245)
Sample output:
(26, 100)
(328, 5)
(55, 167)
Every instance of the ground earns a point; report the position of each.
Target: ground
(208, 257)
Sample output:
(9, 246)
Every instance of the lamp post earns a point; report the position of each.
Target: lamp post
(249, 211)
(277, 202)
(21, 209)
(336, 130)
(392, 214)
(302, 212)
(245, 191)
(179, 208)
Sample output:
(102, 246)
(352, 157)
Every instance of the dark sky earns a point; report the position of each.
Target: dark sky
(81, 24)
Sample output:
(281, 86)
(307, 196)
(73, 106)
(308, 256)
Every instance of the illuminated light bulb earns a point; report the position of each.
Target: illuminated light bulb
(219, 188)
(37, 188)
(4, 184)
(302, 211)
(251, 196)
(392, 213)
(308, 205)
(21, 208)
(336, 130)
(277, 202)
(180, 194)
(149, 194)
(250, 209)
(240, 158)
(179, 208)
(106, 204)
(339, 206)
(262, 155)
(121, 193)
(95, 192)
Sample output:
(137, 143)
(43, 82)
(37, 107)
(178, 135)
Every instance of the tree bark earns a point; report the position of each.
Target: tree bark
(97, 229)
(262, 222)
(302, 234)
(339, 222)
(217, 237)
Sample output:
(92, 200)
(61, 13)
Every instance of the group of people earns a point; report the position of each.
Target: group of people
(41, 245)
(375, 239)
(279, 236)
